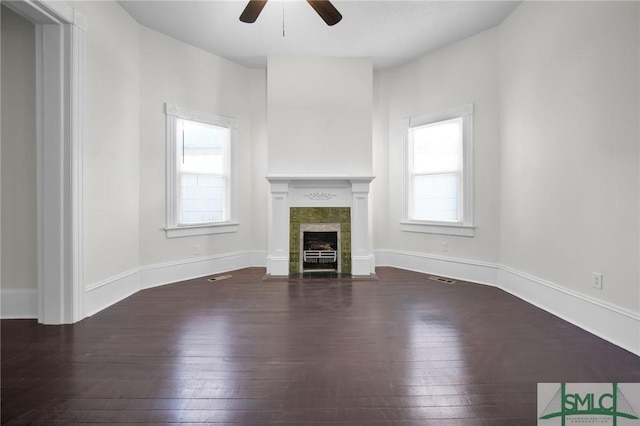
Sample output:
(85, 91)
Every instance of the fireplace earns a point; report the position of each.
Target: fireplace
(319, 224)
(320, 248)
(323, 227)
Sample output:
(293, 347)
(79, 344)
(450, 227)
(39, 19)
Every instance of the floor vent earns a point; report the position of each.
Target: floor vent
(219, 278)
(441, 280)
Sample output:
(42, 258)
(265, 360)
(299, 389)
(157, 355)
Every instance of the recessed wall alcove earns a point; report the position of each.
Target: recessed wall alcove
(319, 199)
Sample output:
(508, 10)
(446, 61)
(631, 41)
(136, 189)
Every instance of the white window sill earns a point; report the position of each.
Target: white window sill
(206, 229)
(438, 228)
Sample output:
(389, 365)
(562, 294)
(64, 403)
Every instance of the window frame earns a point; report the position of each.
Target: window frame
(173, 228)
(464, 227)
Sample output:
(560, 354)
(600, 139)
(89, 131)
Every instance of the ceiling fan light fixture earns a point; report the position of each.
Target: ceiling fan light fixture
(326, 10)
(252, 11)
(323, 8)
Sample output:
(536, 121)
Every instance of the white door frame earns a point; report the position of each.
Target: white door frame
(60, 88)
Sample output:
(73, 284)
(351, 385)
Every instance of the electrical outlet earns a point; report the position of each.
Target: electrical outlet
(196, 249)
(597, 281)
(444, 247)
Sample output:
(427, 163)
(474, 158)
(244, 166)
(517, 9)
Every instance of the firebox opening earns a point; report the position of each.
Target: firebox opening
(320, 251)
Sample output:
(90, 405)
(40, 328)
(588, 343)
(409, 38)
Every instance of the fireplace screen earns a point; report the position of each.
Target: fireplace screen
(320, 251)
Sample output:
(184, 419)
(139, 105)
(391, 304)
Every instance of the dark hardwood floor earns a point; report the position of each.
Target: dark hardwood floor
(400, 350)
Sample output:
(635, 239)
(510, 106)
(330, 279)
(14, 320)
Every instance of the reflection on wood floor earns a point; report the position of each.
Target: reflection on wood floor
(400, 349)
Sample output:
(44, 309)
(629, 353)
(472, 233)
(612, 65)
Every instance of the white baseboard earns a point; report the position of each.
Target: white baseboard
(461, 269)
(611, 323)
(278, 266)
(166, 273)
(363, 266)
(19, 303)
(108, 292)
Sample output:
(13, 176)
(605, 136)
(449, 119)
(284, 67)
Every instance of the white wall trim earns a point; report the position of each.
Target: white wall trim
(122, 276)
(60, 103)
(465, 227)
(78, 77)
(18, 303)
(102, 294)
(174, 228)
(172, 272)
(208, 229)
(607, 321)
(432, 228)
(44, 11)
(612, 323)
(461, 269)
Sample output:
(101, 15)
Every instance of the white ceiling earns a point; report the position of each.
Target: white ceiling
(391, 32)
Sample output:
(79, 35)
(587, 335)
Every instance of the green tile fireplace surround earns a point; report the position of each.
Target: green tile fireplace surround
(313, 215)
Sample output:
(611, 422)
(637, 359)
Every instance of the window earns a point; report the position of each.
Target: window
(200, 163)
(438, 178)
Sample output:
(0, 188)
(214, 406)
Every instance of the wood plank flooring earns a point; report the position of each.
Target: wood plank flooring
(399, 350)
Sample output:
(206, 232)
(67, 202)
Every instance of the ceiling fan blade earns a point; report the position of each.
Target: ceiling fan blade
(252, 11)
(326, 10)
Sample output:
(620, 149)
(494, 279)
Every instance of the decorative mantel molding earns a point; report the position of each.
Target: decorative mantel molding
(276, 178)
(323, 196)
(319, 191)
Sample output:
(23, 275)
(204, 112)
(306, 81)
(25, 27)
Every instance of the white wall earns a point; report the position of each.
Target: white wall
(456, 75)
(111, 185)
(19, 232)
(259, 168)
(174, 72)
(320, 115)
(379, 193)
(569, 88)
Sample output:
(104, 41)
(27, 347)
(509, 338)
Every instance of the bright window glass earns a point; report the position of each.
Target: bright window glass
(438, 173)
(201, 188)
(202, 167)
(436, 164)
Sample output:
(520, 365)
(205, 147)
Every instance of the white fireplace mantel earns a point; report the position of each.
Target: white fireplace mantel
(319, 191)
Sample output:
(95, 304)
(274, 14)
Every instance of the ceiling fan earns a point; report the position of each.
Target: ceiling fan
(324, 8)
